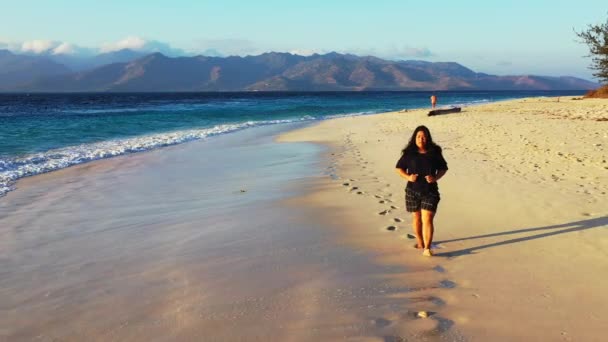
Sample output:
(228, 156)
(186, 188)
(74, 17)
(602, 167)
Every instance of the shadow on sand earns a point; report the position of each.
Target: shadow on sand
(553, 230)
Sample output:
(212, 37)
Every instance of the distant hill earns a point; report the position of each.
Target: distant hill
(286, 72)
(81, 63)
(17, 71)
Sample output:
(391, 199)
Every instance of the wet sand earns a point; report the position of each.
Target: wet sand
(520, 235)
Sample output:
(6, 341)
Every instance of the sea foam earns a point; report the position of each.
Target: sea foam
(12, 169)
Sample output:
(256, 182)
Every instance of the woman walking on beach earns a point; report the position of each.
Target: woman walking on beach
(422, 164)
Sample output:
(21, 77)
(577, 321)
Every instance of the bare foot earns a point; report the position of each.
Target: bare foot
(417, 246)
(427, 252)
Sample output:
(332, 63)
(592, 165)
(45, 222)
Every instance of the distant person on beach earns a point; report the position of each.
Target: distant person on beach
(422, 164)
(433, 101)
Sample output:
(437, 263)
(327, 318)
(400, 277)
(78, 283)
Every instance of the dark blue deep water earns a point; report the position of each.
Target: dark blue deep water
(45, 132)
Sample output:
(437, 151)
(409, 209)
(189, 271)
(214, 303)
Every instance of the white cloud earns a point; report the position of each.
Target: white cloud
(156, 46)
(414, 52)
(50, 47)
(132, 42)
(393, 52)
(228, 47)
(140, 44)
(209, 47)
(306, 52)
(64, 49)
(38, 46)
(8, 45)
(244, 47)
(211, 53)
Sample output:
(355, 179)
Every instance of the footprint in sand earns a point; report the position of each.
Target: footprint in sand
(354, 188)
(391, 228)
(384, 212)
(410, 236)
(346, 184)
(394, 207)
(428, 299)
(381, 322)
(397, 219)
(437, 301)
(447, 284)
(377, 196)
(439, 269)
(360, 192)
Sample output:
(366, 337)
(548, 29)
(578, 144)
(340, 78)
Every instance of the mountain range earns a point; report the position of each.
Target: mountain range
(129, 71)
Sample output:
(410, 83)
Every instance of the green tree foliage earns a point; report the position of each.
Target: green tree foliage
(596, 37)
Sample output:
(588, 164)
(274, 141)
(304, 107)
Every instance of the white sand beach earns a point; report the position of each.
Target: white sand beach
(254, 240)
(521, 230)
(201, 241)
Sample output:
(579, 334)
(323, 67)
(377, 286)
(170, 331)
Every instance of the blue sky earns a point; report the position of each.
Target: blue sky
(497, 37)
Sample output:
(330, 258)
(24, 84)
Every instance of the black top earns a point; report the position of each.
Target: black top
(423, 164)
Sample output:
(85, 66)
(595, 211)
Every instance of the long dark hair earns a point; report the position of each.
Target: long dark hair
(431, 147)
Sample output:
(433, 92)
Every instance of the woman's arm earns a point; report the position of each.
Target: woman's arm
(440, 174)
(433, 179)
(410, 177)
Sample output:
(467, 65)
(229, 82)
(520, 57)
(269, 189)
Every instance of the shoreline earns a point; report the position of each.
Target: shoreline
(184, 253)
(19, 165)
(330, 267)
(526, 247)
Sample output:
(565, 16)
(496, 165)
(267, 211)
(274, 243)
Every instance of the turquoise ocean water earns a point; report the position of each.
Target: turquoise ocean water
(46, 132)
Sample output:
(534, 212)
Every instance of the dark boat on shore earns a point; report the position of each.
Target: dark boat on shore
(445, 111)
